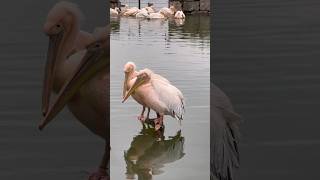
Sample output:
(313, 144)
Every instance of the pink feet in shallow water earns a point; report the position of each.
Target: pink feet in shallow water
(158, 123)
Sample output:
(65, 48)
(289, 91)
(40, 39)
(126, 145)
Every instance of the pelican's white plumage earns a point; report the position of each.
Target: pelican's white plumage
(156, 16)
(169, 96)
(131, 11)
(179, 15)
(143, 13)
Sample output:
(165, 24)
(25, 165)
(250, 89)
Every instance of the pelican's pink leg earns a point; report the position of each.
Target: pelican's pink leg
(158, 123)
(141, 117)
(148, 113)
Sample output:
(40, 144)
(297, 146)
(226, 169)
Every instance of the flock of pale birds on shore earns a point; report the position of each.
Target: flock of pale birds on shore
(148, 12)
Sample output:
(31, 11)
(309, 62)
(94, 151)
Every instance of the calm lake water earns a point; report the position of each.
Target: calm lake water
(180, 53)
(65, 149)
(266, 59)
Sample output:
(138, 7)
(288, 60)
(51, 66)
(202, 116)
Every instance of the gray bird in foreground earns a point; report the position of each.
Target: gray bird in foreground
(224, 136)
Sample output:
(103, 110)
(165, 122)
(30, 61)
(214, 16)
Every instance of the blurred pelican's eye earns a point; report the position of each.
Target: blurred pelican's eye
(94, 46)
(56, 29)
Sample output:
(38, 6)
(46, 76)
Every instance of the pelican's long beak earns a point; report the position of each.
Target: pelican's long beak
(92, 62)
(125, 84)
(139, 81)
(50, 69)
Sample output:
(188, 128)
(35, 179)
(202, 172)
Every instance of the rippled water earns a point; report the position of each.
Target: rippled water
(181, 53)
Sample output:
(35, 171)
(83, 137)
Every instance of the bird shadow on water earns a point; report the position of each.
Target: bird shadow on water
(150, 150)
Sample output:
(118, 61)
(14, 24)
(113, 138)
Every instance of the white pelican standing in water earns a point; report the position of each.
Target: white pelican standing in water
(158, 94)
(81, 79)
(130, 75)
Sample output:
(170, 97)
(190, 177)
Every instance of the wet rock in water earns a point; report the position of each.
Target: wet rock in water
(190, 6)
(204, 5)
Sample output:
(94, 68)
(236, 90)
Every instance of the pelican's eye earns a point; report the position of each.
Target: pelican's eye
(56, 29)
(94, 46)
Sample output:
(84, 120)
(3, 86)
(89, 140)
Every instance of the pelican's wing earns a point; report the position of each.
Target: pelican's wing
(159, 77)
(171, 96)
(225, 136)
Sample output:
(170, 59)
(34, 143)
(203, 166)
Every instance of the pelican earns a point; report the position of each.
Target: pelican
(131, 11)
(156, 16)
(114, 12)
(158, 94)
(64, 17)
(143, 13)
(131, 73)
(224, 136)
(168, 12)
(80, 79)
(179, 15)
(150, 8)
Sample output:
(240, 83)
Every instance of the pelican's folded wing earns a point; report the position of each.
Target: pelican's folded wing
(225, 136)
(170, 96)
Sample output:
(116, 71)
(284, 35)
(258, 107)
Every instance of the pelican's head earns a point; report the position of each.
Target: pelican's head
(143, 77)
(62, 26)
(129, 67)
(61, 17)
(95, 60)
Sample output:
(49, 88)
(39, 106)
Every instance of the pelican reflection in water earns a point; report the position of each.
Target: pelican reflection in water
(150, 151)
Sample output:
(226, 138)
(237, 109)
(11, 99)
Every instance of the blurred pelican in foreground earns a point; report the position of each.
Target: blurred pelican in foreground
(148, 154)
(80, 79)
(62, 25)
(224, 136)
(159, 94)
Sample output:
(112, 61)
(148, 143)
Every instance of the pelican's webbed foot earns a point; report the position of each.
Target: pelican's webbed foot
(158, 123)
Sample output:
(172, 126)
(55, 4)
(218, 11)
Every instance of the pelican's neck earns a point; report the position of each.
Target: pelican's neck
(131, 75)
